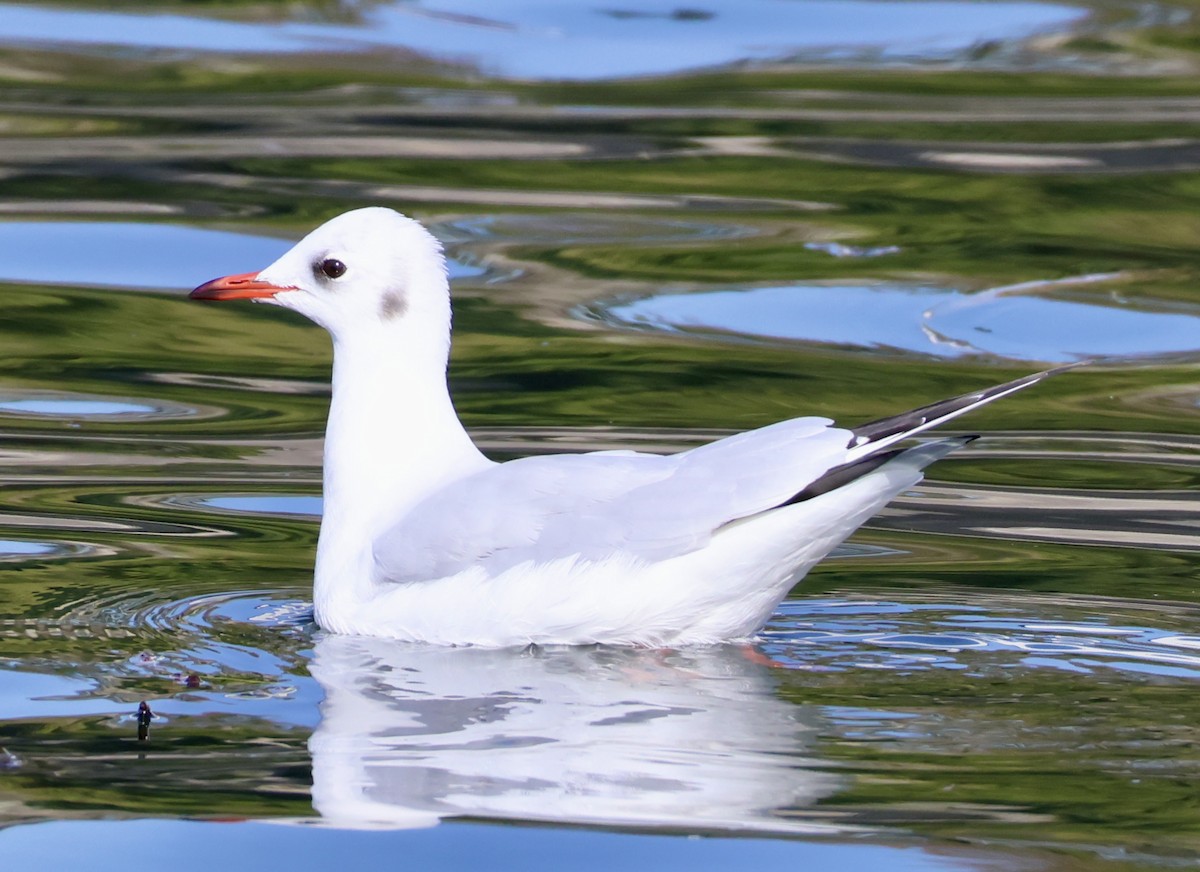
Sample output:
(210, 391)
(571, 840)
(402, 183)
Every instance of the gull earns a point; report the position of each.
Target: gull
(424, 539)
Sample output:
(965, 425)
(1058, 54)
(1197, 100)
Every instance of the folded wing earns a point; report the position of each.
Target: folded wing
(595, 506)
(600, 504)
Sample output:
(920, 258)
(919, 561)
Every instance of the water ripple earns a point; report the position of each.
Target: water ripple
(852, 634)
(169, 256)
(243, 645)
(573, 40)
(62, 404)
(1021, 322)
(16, 550)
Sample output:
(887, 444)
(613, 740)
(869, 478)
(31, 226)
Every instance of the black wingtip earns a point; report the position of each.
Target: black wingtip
(928, 416)
(840, 476)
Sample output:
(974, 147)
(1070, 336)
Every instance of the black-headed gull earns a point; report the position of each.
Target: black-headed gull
(425, 539)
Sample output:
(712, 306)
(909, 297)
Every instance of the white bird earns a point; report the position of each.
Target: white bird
(424, 539)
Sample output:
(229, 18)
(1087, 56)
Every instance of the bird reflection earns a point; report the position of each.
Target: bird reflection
(667, 739)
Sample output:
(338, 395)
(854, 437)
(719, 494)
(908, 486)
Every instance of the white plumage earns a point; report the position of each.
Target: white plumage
(424, 539)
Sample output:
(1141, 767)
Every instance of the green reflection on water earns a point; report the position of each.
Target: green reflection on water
(995, 753)
(1076, 753)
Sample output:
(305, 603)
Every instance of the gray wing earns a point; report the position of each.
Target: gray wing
(594, 505)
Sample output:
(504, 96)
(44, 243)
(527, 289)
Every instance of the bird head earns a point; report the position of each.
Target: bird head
(363, 271)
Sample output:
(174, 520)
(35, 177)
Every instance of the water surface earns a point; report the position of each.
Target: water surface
(570, 40)
(850, 210)
(133, 255)
(1010, 325)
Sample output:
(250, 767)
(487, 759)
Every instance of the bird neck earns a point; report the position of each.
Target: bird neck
(392, 439)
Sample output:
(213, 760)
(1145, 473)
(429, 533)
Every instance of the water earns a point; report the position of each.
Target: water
(570, 40)
(845, 218)
(938, 321)
(459, 846)
(131, 255)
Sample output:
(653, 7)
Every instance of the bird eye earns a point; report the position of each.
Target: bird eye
(332, 268)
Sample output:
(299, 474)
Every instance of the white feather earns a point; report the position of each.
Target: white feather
(425, 539)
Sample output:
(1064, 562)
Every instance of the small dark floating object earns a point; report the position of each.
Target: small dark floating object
(144, 717)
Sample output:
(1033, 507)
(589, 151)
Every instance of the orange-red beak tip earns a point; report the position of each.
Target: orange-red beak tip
(244, 286)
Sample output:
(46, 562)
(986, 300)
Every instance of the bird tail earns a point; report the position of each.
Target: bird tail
(869, 439)
(916, 458)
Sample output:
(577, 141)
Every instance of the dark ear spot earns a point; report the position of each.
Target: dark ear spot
(393, 306)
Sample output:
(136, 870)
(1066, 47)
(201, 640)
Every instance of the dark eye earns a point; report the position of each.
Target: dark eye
(332, 268)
